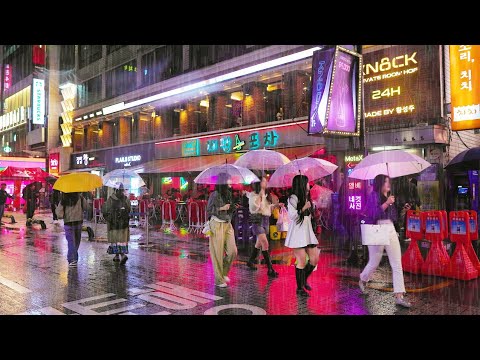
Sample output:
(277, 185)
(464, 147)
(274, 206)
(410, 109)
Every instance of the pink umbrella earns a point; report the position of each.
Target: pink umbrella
(312, 168)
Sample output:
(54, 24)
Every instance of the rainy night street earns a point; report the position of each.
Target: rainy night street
(175, 276)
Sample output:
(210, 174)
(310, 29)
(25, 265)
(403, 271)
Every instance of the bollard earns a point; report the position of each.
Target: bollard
(147, 235)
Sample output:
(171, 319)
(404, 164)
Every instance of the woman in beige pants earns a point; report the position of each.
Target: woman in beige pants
(222, 240)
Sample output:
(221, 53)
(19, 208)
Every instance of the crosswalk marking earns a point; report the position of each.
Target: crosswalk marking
(14, 286)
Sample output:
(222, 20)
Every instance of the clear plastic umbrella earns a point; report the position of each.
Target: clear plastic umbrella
(262, 160)
(312, 168)
(393, 163)
(236, 174)
(115, 177)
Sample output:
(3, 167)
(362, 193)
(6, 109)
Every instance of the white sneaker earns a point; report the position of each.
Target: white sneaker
(226, 278)
(224, 285)
(73, 264)
(402, 302)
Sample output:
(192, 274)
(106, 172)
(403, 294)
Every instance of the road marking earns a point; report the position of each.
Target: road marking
(14, 286)
(43, 311)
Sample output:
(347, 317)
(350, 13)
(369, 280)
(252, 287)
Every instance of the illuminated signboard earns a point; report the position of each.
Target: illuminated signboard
(54, 163)
(127, 160)
(355, 189)
(38, 101)
(336, 93)
(401, 86)
(83, 159)
(7, 77)
(191, 148)
(269, 137)
(465, 86)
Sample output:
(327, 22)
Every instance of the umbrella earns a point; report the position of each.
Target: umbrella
(466, 160)
(393, 163)
(321, 196)
(262, 160)
(312, 168)
(78, 182)
(115, 177)
(14, 173)
(238, 175)
(51, 179)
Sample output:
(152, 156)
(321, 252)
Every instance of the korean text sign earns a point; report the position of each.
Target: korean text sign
(465, 86)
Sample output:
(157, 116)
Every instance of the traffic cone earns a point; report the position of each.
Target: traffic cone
(460, 266)
(437, 260)
(412, 260)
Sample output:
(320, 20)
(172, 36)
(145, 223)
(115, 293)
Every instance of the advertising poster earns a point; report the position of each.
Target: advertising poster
(343, 108)
(433, 226)
(429, 193)
(414, 224)
(322, 69)
(458, 227)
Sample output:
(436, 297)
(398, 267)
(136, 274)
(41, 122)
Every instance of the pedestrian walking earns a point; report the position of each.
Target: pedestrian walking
(380, 209)
(54, 200)
(222, 240)
(3, 199)
(30, 195)
(260, 204)
(116, 211)
(300, 236)
(71, 208)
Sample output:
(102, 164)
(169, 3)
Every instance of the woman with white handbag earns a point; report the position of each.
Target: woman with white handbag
(260, 204)
(300, 236)
(380, 211)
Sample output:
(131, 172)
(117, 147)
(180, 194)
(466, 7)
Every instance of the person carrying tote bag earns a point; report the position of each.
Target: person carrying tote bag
(382, 212)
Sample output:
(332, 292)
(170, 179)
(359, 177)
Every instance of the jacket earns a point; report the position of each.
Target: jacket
(259, 205)
(374, 211)
(3, 197)
(108, 207)
(215, 202)
(73, 213)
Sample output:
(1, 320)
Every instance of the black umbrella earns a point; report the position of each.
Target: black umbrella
(466, 160)
(51, 179)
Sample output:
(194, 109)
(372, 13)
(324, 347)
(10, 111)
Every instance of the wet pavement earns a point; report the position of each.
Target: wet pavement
(174, 276)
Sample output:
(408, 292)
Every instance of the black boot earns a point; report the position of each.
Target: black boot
(251, 263)
(271, 271)
(308, 270)
(300, 276)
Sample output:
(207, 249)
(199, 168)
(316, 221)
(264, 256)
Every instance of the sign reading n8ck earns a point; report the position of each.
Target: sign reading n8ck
(401, 86)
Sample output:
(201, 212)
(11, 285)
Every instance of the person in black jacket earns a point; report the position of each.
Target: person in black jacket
(54, 200)
(30, 196)
(3, 199)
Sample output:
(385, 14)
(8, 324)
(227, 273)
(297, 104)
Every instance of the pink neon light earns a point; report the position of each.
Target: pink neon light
(233, 132)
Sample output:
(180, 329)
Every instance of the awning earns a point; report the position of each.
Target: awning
(69, 171)
(200, 163)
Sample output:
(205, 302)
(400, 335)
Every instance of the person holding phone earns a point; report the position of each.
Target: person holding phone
(381, 210)
(300, 236)
(220, 208)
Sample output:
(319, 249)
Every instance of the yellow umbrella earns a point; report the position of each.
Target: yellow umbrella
(78, 182)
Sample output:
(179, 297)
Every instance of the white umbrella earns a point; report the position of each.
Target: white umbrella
(115, 177)
(393, 163)
(312, 168)
(237, 175)
(262, 160)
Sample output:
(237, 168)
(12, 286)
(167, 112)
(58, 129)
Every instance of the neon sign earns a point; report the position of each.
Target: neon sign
(127, 160)
(167, 180)
(234, 142)
(38, 94)
(183, 183)
(355, 202)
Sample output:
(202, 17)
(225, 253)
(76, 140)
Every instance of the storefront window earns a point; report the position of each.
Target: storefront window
(122, 79)
(169, 61)
(90, 91)
(88, 54)
(113, 48)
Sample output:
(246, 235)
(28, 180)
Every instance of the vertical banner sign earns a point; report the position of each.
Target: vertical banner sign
(465, 86)
(336, 93)
(322, 69)
(355, 189)
(38, 102)
(54, 163)
(7, 77)
(343, 106)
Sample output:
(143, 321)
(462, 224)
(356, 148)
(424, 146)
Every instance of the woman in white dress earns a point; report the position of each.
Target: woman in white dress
(300, 236)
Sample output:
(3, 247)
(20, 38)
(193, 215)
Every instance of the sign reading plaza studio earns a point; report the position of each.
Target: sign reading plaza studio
(336, 90)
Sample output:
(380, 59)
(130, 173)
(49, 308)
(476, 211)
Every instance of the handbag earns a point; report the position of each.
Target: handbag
(376, 234)
(206, 229)
(282, 222)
